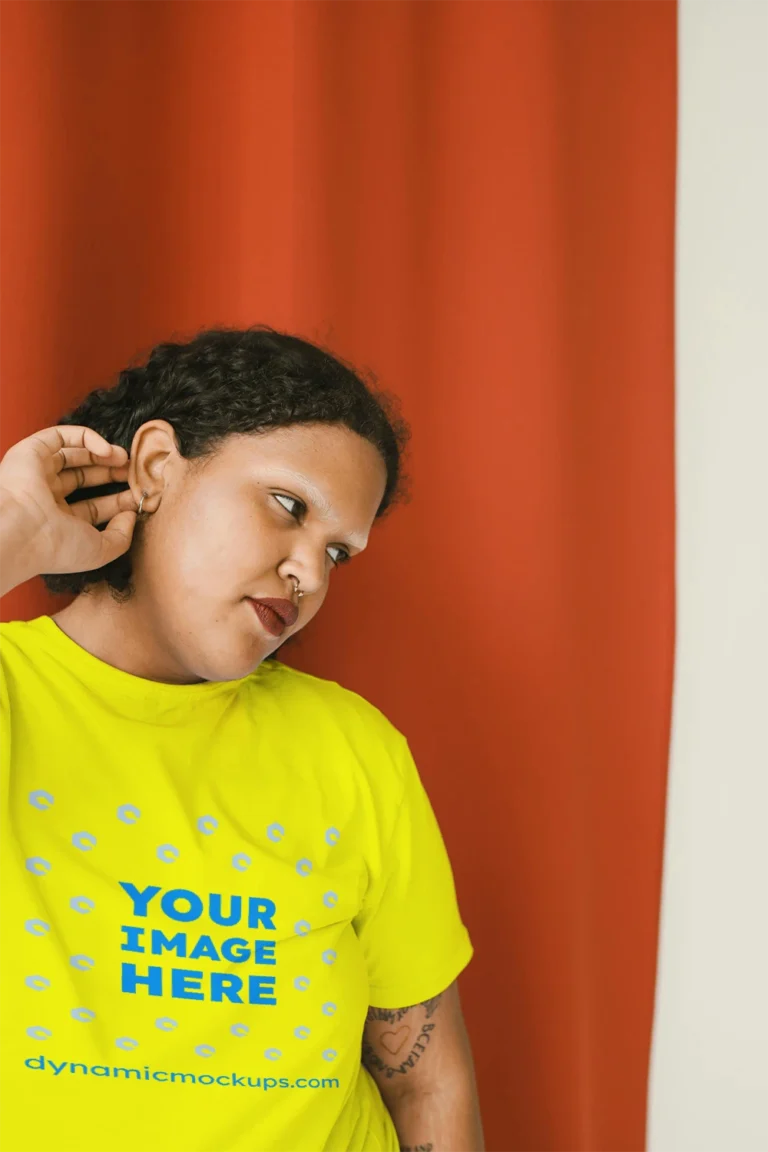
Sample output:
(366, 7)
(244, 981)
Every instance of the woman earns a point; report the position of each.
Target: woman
(229, 920)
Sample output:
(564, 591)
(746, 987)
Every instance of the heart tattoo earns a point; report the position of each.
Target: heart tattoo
(393, 1041)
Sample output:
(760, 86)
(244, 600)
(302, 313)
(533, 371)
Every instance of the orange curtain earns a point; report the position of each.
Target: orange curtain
(475, 200)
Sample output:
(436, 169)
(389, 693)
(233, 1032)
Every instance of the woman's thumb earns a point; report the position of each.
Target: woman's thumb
(116, 537)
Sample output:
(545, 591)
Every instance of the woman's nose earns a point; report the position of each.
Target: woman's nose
(309, 574)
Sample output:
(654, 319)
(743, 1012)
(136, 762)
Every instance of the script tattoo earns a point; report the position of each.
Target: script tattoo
(431, 1005)
(390, 1014)
(398, 1039)
(395, 1014)
(417, 1148)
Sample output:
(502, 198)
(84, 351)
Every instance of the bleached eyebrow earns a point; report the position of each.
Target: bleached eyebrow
(320, 503)
(356, 540)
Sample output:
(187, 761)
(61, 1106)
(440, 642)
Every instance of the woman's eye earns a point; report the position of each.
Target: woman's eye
(292, 500)
(343, 558)
(297, 509)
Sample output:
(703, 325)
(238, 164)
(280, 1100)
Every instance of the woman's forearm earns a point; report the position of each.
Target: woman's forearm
(16, 537)
(444, 1120)
(430, 1087)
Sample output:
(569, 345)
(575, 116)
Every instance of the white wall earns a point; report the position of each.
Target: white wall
(709, 1067)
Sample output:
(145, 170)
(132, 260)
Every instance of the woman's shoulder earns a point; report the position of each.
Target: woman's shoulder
(21, 630)
(17, 637)
(17, 643)
(338, 702)
(329, 708)
(17, 629)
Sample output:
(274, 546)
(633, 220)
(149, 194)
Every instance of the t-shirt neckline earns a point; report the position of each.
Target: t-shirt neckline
(105, 678)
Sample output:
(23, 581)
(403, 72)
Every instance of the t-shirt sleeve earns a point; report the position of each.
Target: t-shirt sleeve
(410, 927)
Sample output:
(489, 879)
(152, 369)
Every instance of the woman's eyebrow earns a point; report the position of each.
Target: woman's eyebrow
(356, 540)
(320, 503)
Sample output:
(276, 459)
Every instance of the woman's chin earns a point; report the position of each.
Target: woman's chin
(233, 663)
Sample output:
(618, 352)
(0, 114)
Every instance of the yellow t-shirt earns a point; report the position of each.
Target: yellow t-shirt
(204, 888)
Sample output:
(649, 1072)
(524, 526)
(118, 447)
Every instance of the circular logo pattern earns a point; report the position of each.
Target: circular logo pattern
(165, 1024)
(37, 983)
(167, 853)
(329, 1054)
(273, 1053)
(40, 799)
(301, 983)
(128, 813)
(241, 861)
(82, 963)
(304, 866)
(302, 927)
(329, 956)
(207, 825)
(301, 1032)
(37, 865)
(82, 904)
(275, 832)
(330, 899)
(239, 1029)
(83, 1014)
(84, 841)
(204, 1050)
(38, 1033)
(127, 1043)
(37, 927)
(332, 836)
(329, 1008)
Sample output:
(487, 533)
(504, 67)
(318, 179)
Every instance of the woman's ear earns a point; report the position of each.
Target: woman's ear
(154, 458)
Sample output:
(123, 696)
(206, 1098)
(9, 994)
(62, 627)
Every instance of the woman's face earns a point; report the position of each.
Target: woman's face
(292, 502)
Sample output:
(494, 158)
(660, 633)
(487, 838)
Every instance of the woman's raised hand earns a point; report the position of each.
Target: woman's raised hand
(39, 531)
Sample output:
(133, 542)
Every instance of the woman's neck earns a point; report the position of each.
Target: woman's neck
(122, 635)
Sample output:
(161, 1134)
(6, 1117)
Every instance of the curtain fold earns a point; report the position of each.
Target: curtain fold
(476, 202)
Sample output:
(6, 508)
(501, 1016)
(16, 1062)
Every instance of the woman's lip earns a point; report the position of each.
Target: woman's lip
(285, 609)
(275, 614)
(269, 618)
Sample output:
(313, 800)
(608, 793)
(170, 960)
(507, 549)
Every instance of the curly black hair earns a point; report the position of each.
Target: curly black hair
(227, 381)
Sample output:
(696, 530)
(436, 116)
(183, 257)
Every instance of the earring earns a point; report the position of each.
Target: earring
(143, 496)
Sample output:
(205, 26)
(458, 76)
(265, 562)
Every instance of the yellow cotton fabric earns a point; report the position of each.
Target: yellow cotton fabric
(204, 888)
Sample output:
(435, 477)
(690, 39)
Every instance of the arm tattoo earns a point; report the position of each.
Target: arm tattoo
(394, 1014)
(393, 1042)
(417, 1148)
(397, 1040)
(431, 1005)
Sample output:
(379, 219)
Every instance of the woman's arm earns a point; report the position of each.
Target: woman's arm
(421, 1059)
(16, 534)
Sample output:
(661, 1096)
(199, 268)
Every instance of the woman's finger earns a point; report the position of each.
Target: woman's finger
(81, 458)
(103, 508)
(88, 477)
(49, 441)
(74, 458)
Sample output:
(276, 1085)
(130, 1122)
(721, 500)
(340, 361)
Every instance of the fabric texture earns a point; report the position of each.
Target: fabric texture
(205, 887)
